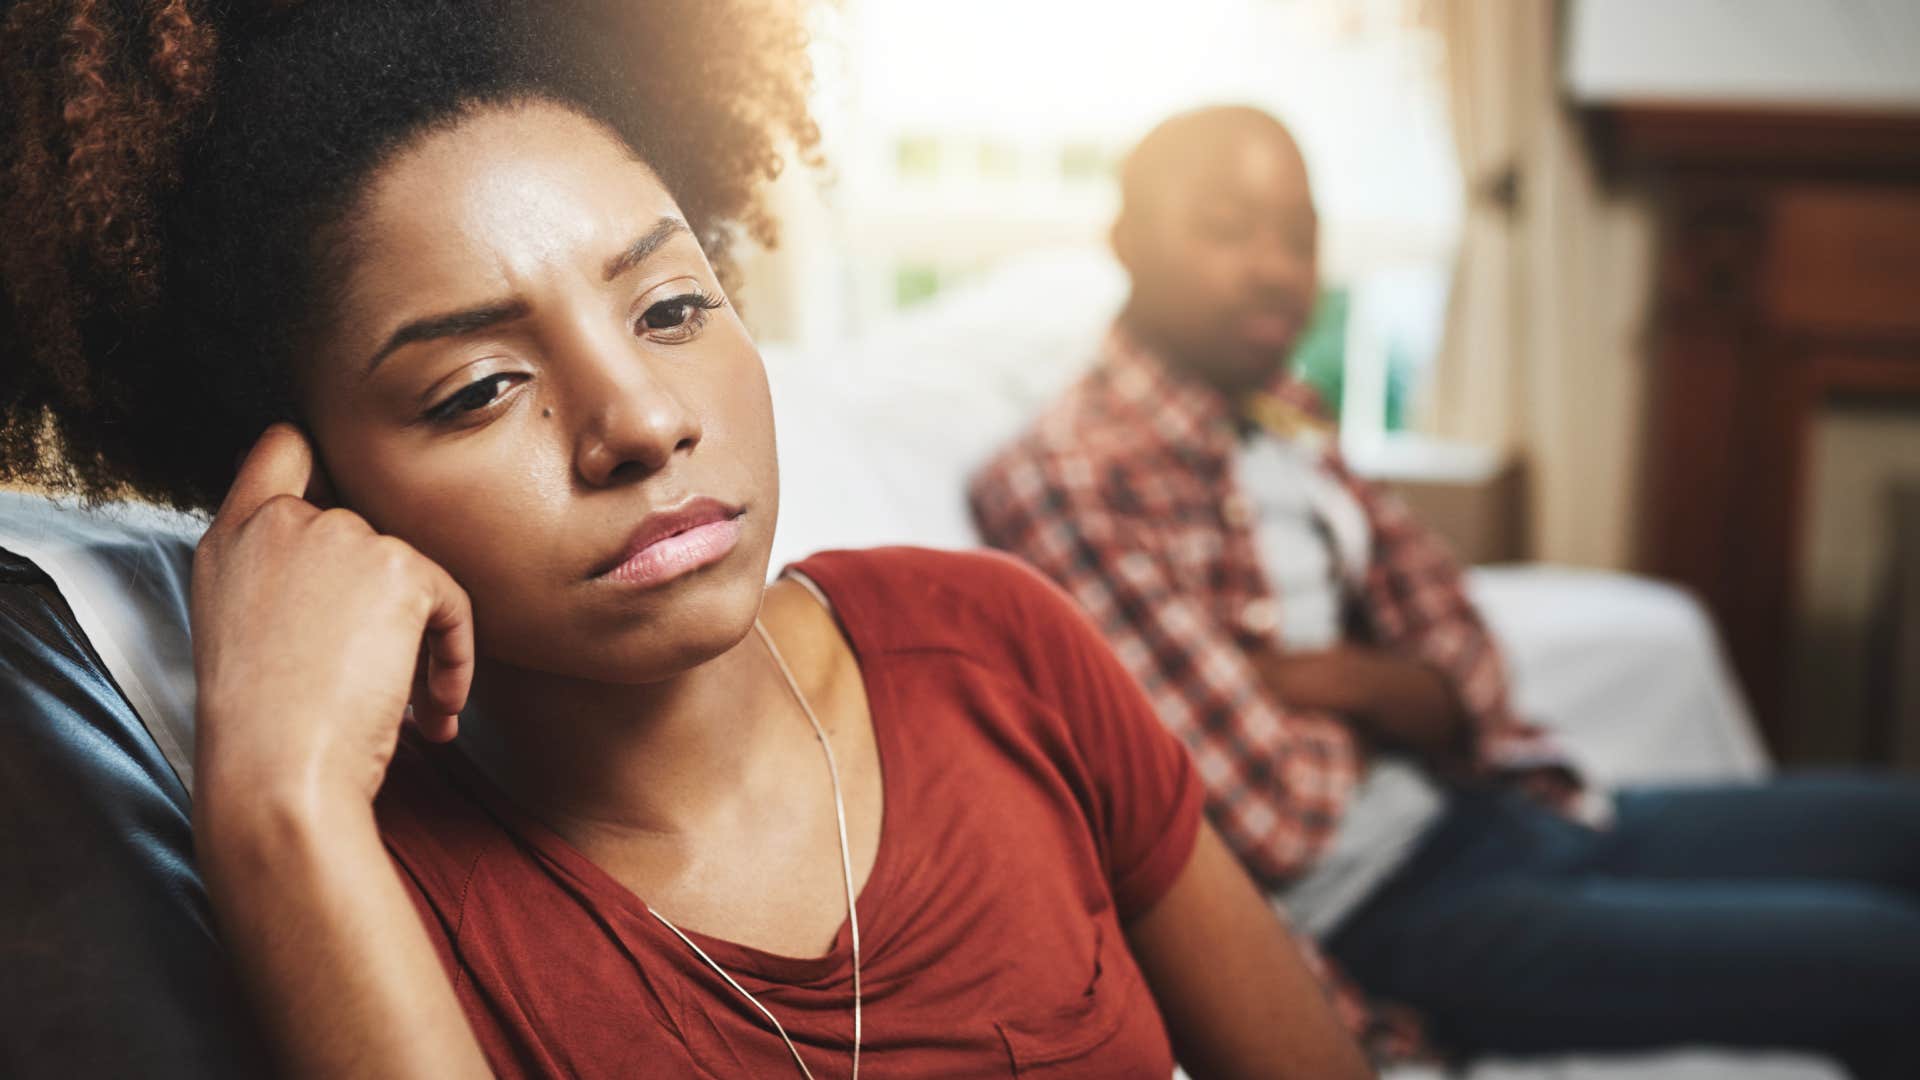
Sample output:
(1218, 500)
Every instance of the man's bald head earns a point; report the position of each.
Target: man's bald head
(1180, 144)
(1217, 231)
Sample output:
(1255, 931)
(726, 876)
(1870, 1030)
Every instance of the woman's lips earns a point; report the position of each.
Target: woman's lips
(679, 552)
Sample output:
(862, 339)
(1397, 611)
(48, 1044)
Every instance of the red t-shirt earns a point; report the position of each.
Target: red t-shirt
(1033, 805)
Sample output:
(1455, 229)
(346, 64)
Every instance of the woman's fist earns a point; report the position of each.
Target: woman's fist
(308, 628)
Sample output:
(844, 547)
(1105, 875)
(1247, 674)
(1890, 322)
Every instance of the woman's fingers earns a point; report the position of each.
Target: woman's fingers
(449, 640)
(332, 551)
(280, 463)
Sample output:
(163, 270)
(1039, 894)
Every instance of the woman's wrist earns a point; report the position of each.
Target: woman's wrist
(242, 829)
(324, 935)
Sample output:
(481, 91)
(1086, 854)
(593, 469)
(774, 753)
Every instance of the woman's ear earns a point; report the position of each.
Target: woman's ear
(319, 486)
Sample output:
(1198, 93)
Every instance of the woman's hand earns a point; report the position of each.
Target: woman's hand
(307, 631)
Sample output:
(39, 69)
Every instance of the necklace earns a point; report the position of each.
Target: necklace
(846, 870)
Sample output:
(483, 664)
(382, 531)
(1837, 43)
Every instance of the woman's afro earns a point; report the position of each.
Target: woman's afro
(175, 178)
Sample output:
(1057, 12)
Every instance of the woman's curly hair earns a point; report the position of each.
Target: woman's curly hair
(177, 178)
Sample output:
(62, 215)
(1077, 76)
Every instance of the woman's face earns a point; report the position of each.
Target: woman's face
(533, 380)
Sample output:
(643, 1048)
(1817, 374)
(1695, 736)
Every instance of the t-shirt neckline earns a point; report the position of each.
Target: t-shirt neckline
(798, 971)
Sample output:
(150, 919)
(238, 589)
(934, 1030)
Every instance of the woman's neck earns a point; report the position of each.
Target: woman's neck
(656, 758)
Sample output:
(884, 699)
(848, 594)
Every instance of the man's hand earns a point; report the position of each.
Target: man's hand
(1391, 700)
(1561, 790)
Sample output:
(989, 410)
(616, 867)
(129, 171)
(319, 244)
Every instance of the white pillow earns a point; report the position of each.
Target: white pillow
(878, 435)
(123, 568)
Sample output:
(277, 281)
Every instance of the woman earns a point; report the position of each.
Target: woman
(463, 265)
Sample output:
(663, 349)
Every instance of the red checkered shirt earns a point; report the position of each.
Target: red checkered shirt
(1124, 492)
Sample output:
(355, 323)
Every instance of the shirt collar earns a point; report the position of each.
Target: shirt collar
(1184, 411)
(1188, 412)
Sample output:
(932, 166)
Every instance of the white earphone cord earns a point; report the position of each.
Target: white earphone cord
(846, 868)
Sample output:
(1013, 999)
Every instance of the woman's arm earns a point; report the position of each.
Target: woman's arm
(1237, 998)
(306, 629)
(328, 943)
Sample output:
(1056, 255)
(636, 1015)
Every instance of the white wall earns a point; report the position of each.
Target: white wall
(1809, 53)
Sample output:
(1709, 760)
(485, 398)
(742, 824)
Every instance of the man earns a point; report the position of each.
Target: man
(1314, 647)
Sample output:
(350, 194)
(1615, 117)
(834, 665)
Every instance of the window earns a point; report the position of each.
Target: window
(974, 135)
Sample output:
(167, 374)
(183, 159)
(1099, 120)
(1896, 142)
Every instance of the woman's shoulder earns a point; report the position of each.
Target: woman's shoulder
(988, 607)
(963, 571)
(431, 821)
(902, 597)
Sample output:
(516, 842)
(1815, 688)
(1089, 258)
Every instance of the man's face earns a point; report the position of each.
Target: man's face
(1224, 262)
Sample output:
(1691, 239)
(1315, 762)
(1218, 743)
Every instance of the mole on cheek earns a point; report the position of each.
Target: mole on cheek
(546, 412)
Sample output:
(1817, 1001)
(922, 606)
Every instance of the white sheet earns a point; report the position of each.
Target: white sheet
(1628, 671)
(123, 568)
(877, 439)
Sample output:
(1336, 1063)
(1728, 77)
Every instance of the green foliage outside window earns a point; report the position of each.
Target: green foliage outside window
(1320, 359)
(914, 283)
(917, 157)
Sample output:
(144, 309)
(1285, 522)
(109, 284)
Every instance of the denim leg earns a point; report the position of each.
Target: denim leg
(1760, 917)
(1837, 827)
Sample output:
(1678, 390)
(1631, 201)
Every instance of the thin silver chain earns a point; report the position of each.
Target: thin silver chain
(846, 868)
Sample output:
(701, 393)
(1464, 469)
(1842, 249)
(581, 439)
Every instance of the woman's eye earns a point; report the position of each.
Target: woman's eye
(677, 318)
(474, 396)
(668, 314)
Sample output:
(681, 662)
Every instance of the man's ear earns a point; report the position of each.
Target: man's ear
(1120, 237)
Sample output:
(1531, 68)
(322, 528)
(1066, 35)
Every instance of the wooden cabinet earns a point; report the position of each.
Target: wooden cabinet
(1789, 274)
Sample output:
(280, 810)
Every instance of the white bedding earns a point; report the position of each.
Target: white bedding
(123, 569)
(877, 438)
(876, 441)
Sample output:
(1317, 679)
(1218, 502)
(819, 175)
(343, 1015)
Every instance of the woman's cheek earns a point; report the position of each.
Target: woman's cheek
(487, 519)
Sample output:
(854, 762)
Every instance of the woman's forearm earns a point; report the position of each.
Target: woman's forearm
(1237, 998)
(327, 942)
(285, 597)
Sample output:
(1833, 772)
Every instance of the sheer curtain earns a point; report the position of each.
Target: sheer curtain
(1542, 350)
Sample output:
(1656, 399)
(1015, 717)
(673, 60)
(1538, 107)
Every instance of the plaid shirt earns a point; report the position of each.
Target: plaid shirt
(1124, 492)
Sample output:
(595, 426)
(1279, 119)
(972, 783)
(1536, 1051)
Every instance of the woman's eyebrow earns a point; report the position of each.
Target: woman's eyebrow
(453, 324)
(457, 323)
(636, 253)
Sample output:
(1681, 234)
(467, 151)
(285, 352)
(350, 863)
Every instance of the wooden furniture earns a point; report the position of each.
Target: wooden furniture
(1474, 498)
(1789, 274)
(1893, 679)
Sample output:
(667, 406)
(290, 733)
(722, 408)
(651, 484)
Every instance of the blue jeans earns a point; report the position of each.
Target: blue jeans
(1783, 914)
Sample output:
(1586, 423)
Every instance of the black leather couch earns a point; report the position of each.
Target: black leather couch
(109, 965)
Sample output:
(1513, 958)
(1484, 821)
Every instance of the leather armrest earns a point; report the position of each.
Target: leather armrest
(110, 961)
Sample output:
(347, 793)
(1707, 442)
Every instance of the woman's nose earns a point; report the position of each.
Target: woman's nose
(633, 421)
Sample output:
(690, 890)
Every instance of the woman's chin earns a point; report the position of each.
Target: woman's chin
(674, 631)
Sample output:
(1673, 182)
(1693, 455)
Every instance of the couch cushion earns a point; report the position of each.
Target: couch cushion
(112, 968)
(123, 570)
